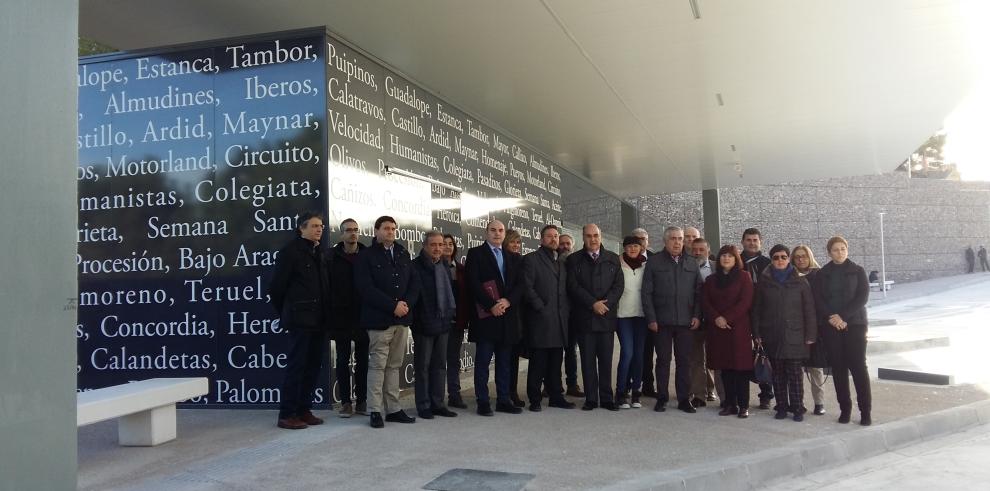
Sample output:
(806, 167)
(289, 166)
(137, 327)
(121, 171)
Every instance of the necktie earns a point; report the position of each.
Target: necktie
(500, 261)
(594, 256)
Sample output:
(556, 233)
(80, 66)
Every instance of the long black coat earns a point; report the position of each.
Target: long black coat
(481, 268)
(784, 316)
(427, 318)
(546, 309)
(345, 304)
(589, 281)
(855, 292)
(381, 283)
(300, 286)
(671, 291)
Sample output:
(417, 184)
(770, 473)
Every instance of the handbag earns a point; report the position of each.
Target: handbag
(817, 356)
(762, 371)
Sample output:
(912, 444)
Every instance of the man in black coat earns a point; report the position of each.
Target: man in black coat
(495, 284)
(754, 262)
(671, 303)
(386, 282)
(346, 327)
(432, 319)
(970, 259)
(594, 284)
(564, 248)
(300, 293)
(982, 254)
(545, 314)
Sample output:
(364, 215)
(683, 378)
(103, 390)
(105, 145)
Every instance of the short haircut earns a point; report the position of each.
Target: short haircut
(667, 231)
(511, 235)
(639, 231)
(347, 220)
(779, 248)
(453, 255)
(543, 231)
(429, 235)
(752, 231)
(835, 240)
(733, 251)
(305, 217)
(699, 240)
(807, 250)
(384, 218)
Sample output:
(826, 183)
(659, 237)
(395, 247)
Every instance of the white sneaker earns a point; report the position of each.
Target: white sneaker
(636, 405)
(624, 405)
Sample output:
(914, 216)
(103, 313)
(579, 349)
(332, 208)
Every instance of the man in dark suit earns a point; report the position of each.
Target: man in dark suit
(545, 314)
(300, 293)
(754, 262)
(495, 283)
(386, 282)
(594, 284)
(671, 289)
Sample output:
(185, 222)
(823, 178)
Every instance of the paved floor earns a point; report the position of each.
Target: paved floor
(242, 449)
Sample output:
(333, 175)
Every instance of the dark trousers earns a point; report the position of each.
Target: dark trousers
(455, 340)
(736, 385)
(430, 361)
(302, 370)
(970, 265)
(847, 354)
(788, 383)
(984, 265)
(544, 368)
(596, 365)
(632, 333)
(570, 358)
(649, 349)
(502, 353)
(514, 372)
(681, 338)
(360, 372)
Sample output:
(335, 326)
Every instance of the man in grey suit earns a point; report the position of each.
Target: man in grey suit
(545, 313)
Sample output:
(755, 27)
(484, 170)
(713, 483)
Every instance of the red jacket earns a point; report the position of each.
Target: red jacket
(728, 349)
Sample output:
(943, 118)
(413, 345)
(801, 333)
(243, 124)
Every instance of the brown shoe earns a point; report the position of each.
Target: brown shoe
(308, 418)
(346, 410)
(292, 424)
(575, 391)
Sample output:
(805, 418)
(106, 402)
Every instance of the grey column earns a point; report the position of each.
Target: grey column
(38, 219)
(712, 217)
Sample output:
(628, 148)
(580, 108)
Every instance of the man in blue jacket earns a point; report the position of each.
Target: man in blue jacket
(385, 280)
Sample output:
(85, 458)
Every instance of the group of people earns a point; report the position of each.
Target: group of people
(706, 314)
(971, 259)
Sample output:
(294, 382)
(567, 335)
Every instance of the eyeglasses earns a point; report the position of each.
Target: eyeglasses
(780, 257)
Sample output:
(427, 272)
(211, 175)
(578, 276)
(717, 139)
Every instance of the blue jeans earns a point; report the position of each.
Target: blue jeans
(483, 357)
(632, 337)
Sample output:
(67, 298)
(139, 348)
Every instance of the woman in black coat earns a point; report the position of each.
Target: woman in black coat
(784, 322)
(841, 293)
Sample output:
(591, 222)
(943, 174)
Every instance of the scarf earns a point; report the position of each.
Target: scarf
(723, 279)
(445, 294)
(634, 262)
(781, 275)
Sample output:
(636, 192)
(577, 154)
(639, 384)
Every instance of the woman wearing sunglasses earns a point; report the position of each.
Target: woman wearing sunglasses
(784, 322)
(804, 262)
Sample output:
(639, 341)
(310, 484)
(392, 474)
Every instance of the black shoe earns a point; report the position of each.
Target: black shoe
(562, 404)
(535, 407)
(399, 416)
(588, 406)
(575, 391)
(819, 409)
(686, 407)
(649, 391)
(764, 403)
(376, 420)
(425, 414)
(610, 406)
(456, 402)
(507, 407)
(865, 419)
(516, 401)
(729, 411)
(743, 413)
(781, 414)
(485, 409)
(660, 406)
(698, 402)
(799, 416)
(447, 413)
(844, 416)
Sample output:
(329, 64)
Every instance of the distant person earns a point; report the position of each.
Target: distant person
(300, 293)
(650, 342)
(841, 292)
(384, 278)
(513, 245)
(495, 282)
(703, 381)
(804, 262)
(970, 259)
(545, 313)
(784, 323)
(346, 326)
(631, 325)
(434, 312)
(983, 259)
(456, 337)
(594, 285)
(727, 297)
(754, 263)
(671, 289)
(570, 352)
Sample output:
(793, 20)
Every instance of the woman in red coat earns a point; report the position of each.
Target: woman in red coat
(726, 299)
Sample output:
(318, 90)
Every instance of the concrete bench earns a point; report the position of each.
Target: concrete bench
(887, 285)
(145, 410)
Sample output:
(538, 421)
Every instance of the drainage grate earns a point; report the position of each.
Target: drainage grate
(477, 480)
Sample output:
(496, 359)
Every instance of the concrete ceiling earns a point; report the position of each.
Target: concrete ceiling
(625, 91)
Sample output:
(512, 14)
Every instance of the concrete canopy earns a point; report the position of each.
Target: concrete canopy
(641, 96)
